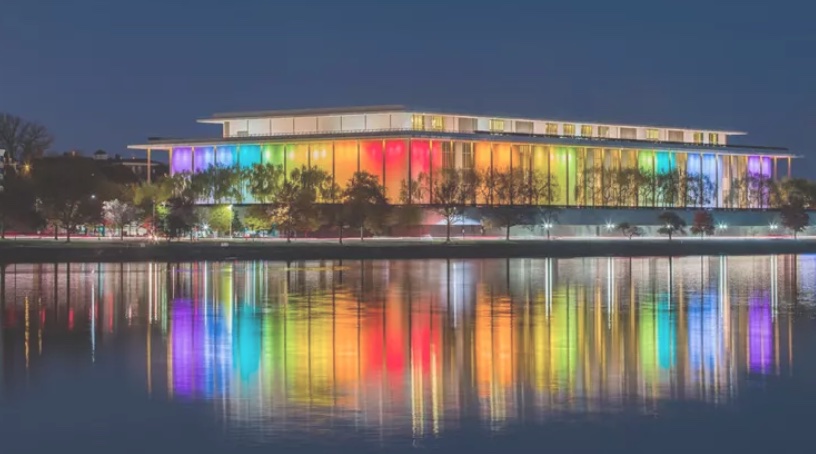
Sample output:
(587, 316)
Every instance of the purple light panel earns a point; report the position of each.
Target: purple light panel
(182, 160)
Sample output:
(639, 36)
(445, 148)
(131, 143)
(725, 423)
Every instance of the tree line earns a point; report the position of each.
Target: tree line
(65, 193)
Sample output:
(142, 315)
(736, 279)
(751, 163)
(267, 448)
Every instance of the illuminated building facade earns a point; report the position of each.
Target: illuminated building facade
(398, 145)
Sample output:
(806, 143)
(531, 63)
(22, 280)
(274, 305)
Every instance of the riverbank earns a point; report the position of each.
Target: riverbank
(41, 251)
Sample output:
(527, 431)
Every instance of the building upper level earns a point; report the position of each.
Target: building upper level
(400, 118)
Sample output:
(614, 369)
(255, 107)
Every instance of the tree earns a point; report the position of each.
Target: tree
(148, 196)
(510, 186)
(646, 187)
(797, 189)
(446, 197)
(17, 200)
(264, 181)
(217, 218)
(291, 209)
(628, 230)
(181, 218)
(669, 186)
(68, 191)
(546, 217)
(505, 217)
(737, 194)
(23, 140)
(671, 224)
(794, 216)
(540, 188)
(219, 184)
(703, 223)
(699, 190)
(336, 215)
(119, 214)
(489, 184)
(760, 190)
(366, 202)
(257, 218)
(416, 191)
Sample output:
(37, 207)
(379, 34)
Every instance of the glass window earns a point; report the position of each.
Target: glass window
(586, 130)
(552, 129)
(496, 125)
(524, 127)
(448, 156)
(653, 134)
(468, 160)
(675, 136)
(698, 137)
(628, 133)
(603, 131)
(417, 122)
(569, 130)
(437, 123)
(713, 138)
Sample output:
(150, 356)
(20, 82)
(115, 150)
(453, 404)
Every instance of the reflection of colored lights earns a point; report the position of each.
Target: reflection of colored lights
(263, 346)
(760, 335)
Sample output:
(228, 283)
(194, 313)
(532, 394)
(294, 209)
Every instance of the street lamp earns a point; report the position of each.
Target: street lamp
(548, 226)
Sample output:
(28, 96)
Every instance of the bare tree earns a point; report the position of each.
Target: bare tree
(119, 214)
(23, 140)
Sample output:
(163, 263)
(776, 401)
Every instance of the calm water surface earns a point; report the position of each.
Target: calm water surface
(603, 354)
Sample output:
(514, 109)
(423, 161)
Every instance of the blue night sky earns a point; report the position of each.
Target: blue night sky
(103, 74)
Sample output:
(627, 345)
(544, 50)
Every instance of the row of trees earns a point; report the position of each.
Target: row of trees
(793, 217)
(67, 192)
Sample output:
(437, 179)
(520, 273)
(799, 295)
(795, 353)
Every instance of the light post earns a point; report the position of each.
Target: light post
(548, 226)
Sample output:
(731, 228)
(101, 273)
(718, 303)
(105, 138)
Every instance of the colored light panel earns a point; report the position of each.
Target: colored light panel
(297, 157)
(272, 154)
(564, 170)
(371, 158)
(181, 160)
(665, 162)
(421, 158)
(320, 156)
(203, 158)
(345, 162)
(483, 161)
(249, 155)
(225, 155)
(396, 168)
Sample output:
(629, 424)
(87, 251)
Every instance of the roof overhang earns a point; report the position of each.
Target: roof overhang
(476, 137)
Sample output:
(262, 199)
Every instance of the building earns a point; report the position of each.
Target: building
(398, 144)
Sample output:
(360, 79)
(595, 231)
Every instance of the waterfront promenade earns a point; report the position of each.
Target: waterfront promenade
(138, 249)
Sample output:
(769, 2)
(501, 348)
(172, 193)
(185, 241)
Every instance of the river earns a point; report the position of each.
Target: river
(518, 355)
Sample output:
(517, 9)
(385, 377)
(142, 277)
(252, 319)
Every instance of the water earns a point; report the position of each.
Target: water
(600, 354)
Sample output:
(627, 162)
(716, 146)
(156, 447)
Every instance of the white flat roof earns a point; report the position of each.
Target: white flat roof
(220, 118)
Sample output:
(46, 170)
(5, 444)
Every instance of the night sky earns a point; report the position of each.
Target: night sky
(105, 74)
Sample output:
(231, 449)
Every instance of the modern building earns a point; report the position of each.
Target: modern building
(398, 144)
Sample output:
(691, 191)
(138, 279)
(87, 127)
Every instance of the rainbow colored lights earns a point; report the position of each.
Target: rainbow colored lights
(395, 161)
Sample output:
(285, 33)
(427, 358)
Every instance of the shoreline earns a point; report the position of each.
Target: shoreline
(27, 251)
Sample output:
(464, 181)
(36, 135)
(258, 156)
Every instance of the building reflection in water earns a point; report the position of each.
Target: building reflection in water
(417, 347)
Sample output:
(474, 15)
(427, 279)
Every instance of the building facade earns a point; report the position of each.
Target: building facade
(403, 146)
